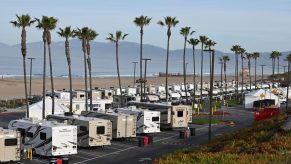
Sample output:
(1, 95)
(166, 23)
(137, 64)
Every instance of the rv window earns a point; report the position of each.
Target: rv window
(29, 134)
(155, 118)
(100, 129)
(10, 142)
(83, 128)
(42, 136)
(107, 106)
(180, 113)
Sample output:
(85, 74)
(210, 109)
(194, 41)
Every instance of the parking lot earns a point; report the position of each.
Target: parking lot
(128, 151)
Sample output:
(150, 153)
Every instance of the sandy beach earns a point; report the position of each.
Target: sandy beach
(14, 88)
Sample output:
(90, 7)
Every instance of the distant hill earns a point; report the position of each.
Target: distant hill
(103, 58)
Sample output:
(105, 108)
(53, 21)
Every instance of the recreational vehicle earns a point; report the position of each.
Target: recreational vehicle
(171, 116)
(46, 138)
(91, 131)
(123, 126)
(9, 145)
(147, 121)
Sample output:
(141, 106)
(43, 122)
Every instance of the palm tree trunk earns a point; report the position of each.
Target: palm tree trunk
(86, 85)
(225, 86)
(278, 67)
(25, 87)
(236, 64)
(119, 82)
(90, 80)
(184, 69)
(140, 63)
(67, 47)
(221, 68)
(249, 63)
(273, 66)
(194, 78)
(255, 73)
(201, 73)
(52, 80)
(43, 80)
(167, 64)
(288, 81)
(242, 78)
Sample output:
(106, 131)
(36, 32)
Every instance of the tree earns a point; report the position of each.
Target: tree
(141, 22)
(255, 56)
(91, 36)
(236, 49)
(221, 69)
(67, 33)
(82, 34)
(194, 42)
(225, 59)
(278, 54)
(22, 22)
(249, 56)
(203, 40)
(115, 39)
(273, 56)
(185, 32)
(46, 24)
(169, 22)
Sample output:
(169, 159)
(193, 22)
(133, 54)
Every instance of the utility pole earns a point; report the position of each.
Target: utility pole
(134, 67)
(145, 73)
(30, 76)
(262, 75)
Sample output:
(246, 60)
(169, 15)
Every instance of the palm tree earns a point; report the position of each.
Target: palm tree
(249, 56)
(44, 25)
(169, 22)
(288, 81)
(221, 69)
(185, 32)
(225, 59)
(91, 36)
(273, 56)
(203, 40)
(256, 55)
(141, 22)
(194, 42)
(52, 23)
(278, 60)
(242, 56)
(82, 35)
(115, 39)
(236, 49)
(22, 22)
(67, 33)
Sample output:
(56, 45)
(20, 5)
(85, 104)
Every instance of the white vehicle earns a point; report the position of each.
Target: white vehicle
(152, 98)
(171, 116)
(91, 131)
(46, 138)
(175, 97)
(160, 89)
(176, 88)
(147, 121)
(123, 126)
(151, 89)
(130, 91)
(9, 145)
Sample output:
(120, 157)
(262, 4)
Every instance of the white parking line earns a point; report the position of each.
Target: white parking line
(91, 154)
(122, 145)
(106, 155)
(79, 156)
(114, 148)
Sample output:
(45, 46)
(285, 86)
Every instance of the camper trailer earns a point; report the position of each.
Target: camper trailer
(171, 116)
(91, 131)
(9, 145)
(46, 138)
(117, 100)
(123, 126)
(152, 98)
(147, 121)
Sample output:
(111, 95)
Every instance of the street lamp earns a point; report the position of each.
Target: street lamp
(211, 89)
(134, 67)
(145, 73)
(30, 76)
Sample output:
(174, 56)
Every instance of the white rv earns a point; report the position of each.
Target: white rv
(175, 97)
(123, 126)
(91, 131)
(9, 145)
(147, 121)
(171, 116)
(46, 138)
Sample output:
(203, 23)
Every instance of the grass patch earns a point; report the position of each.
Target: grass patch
(262, 143)
(203, 121)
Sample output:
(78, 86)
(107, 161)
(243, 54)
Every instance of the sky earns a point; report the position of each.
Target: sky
(256, 25)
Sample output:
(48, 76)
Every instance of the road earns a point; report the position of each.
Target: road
(164, 142)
